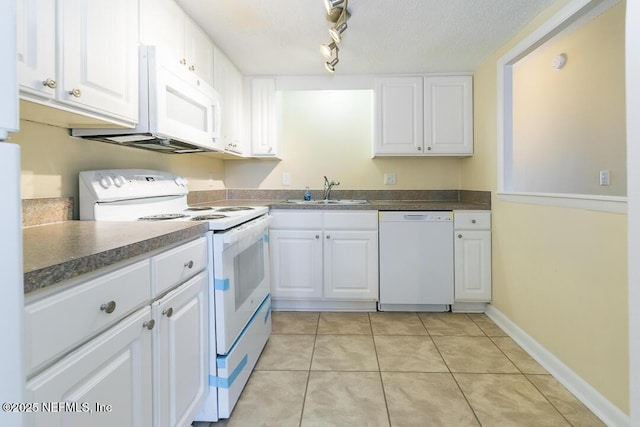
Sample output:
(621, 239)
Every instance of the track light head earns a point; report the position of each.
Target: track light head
(330, 66)
(336, 31)
(327, 49)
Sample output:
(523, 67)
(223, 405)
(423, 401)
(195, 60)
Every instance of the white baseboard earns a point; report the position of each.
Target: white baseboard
(589, 396)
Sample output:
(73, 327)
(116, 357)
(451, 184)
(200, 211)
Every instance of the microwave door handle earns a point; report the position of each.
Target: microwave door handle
(215, 120)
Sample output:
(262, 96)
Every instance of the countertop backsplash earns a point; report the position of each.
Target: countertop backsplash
(46, 210)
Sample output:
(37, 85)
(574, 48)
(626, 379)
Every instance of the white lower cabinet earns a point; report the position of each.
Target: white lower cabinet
(107, 351)
(103, 383)
(472, 253)
(181, 353)
(324, 259)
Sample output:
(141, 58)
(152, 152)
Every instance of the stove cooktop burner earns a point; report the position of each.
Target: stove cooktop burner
(199, 208)
(207, 217)
(234, 209)
(162, 217)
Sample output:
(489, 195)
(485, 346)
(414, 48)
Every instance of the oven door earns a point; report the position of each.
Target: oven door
(241, 277)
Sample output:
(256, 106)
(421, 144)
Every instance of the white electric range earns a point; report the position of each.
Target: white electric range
(239, 284)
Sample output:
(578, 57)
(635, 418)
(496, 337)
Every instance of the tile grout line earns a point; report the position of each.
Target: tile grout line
(384, 392)
(547, 399)
(523, 373)
(455, 380)
(306, 387)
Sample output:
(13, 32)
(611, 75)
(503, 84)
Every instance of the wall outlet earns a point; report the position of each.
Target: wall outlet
(286, 178)
(390, 178)
(604, 177)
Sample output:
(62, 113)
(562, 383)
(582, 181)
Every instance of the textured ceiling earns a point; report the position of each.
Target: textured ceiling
(282, 37)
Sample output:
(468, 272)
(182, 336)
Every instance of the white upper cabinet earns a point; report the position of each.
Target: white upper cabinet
(398, 115)
(37, 47)
(448, 115)
(163, 23)
(416, 116)
(80, 56)
(263, 117)
(100, 55)
(227, 80)
(8, 78)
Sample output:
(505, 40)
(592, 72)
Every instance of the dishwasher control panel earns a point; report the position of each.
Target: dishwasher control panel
(426, 216)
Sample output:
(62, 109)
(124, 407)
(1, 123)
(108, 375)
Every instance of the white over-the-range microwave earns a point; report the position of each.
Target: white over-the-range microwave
(178, 113)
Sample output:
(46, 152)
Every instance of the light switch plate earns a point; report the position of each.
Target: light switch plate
(604, 177)
(286, 178)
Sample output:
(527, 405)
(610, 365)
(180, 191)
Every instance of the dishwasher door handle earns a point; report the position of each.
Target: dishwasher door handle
(416, 217)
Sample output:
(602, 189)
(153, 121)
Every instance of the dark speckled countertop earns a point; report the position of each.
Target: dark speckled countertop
(382, 200)
(57, 251)
(60, 251)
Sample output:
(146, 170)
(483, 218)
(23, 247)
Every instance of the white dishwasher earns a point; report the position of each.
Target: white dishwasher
(416, 260)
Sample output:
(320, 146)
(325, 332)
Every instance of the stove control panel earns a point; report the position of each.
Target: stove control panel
(108, 185)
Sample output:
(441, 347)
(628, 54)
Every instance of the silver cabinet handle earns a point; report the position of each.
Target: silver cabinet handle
(429, 148)
(149, 324)
(108, 307)
(183, 61)
(328, 236)
(317, 236)
(473, 221)
(192, 67)
(459, 236)
(75, 92)
(168, 312)
(189, 264)
(419, 148)
(50, 83)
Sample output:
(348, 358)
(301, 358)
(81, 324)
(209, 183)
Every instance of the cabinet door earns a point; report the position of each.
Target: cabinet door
(8, 78)
(36, 47)
(351, 265)
(263, 117)
(181, 352)
(100, 56)
(113, 369)
(228, 83)
(198, 51)
(162, 24)
(398, 115)
(296, 257)
(472, 266)
(448, 121)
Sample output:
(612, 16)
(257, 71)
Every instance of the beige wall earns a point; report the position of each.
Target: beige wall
(559, 274)
(51, 160)
(582, 107)
(330, 133)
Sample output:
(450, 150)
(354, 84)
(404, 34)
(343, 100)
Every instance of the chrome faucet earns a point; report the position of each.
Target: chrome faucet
(327, 188)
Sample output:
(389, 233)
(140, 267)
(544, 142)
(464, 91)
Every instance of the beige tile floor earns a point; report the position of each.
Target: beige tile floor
(400, 369)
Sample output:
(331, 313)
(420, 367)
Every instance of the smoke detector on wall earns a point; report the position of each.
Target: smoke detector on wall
(559, 61)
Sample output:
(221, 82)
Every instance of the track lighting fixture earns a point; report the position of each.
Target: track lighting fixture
(327, 49)
(338, 14)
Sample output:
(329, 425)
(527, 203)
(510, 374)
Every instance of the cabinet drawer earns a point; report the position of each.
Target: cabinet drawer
(472, 220)
(296, 219)
(177, 265)
(352, 220)
(57, 323)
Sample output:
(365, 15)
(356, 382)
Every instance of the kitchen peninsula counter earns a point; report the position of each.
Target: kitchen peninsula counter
(61, 251)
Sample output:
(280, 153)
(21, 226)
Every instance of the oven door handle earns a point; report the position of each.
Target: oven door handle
(251, 230)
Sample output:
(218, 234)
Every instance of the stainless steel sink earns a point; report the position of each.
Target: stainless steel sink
(328, 202)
